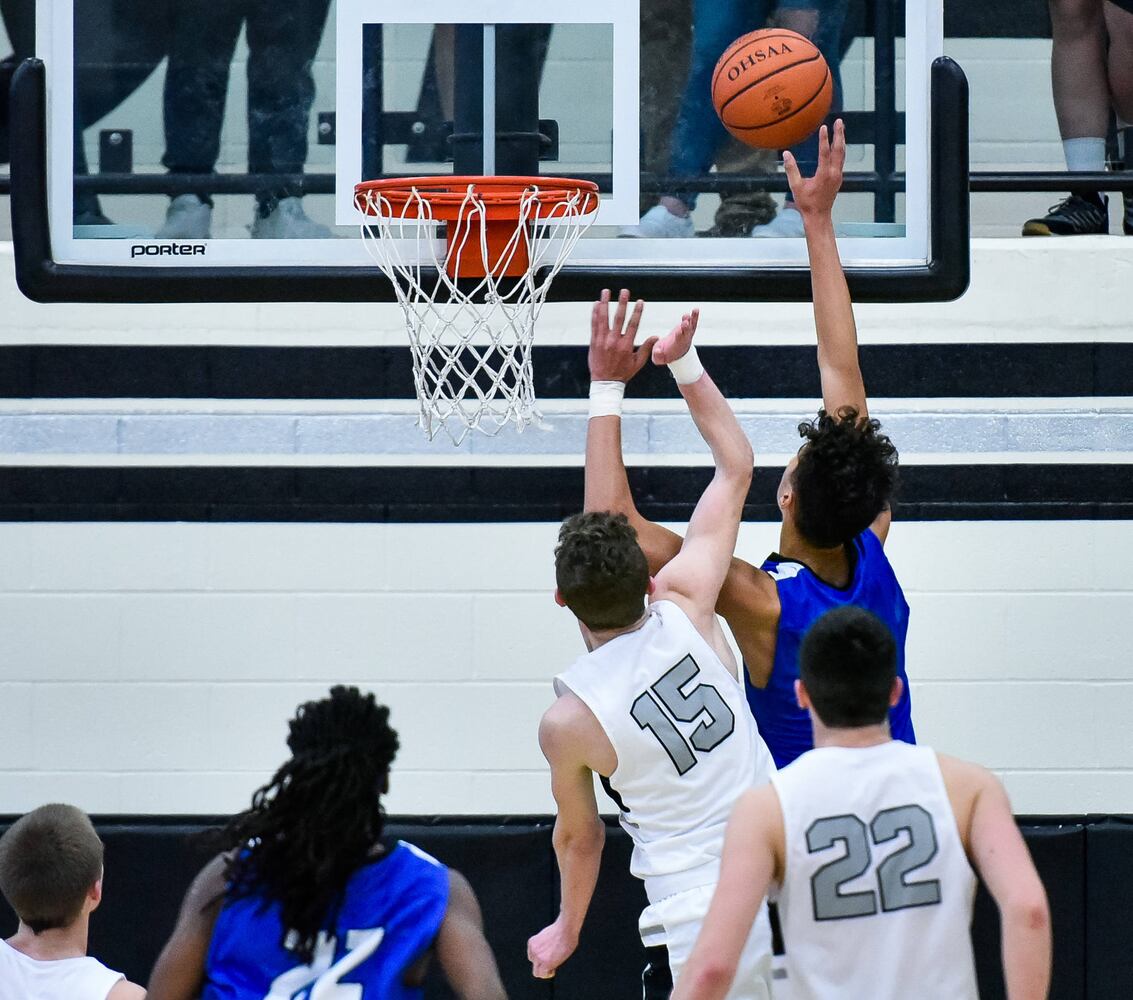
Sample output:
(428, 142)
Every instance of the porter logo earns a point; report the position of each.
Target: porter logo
(168, 250)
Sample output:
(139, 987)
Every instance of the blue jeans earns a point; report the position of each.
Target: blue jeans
(716, 24)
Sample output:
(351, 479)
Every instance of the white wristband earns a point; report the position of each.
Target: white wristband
(606, 399)
(688, 368)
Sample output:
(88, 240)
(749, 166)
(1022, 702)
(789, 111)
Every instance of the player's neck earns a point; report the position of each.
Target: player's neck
(48, 946)
(595, 638)
(859, 736)
(831, 565)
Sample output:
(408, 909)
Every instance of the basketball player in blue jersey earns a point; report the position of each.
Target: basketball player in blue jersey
(308, 899)
(655, 707)
(875, 846)
(834, 494)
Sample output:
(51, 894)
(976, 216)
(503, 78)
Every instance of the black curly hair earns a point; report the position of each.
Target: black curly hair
(846, 476)
(318, 819)
(600, 570)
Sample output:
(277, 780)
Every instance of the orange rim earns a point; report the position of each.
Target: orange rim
(446, 194)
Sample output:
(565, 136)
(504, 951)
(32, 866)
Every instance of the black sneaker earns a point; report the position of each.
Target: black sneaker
(1076, 216)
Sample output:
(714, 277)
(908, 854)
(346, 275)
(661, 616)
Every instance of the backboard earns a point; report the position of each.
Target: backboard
(167, 163)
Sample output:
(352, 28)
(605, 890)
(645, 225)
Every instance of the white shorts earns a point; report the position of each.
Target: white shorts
(675, 922)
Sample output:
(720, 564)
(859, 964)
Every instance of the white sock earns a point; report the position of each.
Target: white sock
(1084, 155)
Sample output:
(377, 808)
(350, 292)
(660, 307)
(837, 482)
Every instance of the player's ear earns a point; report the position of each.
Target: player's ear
(801, 695)
(559, 599)
(94, 895)
(895, 691)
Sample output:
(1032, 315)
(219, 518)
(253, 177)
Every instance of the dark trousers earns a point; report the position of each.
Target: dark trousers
(282, 42)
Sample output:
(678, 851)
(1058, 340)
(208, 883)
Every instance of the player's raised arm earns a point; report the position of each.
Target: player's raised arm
(752, 858)
(613, 361)
(748, 599)
(696, 574)
(838, 366)
(1000, 855)
(566, 733)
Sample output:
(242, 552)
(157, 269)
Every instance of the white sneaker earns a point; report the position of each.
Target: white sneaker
(660, 223)
(788, 222)
(288, 221)
(187, 218)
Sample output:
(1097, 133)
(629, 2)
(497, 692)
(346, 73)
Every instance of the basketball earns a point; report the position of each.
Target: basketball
(772, 88)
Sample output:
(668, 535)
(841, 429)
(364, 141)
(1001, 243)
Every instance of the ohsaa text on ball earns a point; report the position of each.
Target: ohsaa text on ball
(759, 55)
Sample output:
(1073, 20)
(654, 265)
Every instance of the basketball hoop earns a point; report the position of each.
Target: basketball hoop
(470, 309)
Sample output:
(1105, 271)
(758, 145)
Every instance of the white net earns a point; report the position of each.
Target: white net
(471, 338)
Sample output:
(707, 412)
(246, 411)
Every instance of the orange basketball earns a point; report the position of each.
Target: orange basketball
(772, 88)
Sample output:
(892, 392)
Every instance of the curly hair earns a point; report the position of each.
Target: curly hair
(845, 477)
(600, 570)
(316, 822)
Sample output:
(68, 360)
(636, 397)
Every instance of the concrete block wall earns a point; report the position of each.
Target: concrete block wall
(150, 668)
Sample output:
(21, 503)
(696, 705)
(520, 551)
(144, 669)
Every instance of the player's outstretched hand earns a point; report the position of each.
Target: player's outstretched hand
(677, 341)
(612, 356)
(815, 195)
(548, 949)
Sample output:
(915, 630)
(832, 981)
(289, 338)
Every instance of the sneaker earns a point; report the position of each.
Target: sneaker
(288, 221)
(660, 223)
(1076, 216)
(787, 223)
(186, 218)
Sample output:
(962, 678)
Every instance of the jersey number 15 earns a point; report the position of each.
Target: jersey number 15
(701, 702)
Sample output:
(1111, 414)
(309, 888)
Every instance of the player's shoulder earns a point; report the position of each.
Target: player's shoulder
(568, 723)
(966, 781)
(125, 990)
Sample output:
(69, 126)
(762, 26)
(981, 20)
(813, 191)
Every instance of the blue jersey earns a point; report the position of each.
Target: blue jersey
(389, 917)
(803, 597)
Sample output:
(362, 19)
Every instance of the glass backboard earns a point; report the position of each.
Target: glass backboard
(180, 164)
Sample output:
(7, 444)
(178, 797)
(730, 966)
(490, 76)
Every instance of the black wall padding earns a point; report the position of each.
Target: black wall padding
(1086, 863)
(1059, 851)
(610, 957)
(512, 870)
(1109, 907)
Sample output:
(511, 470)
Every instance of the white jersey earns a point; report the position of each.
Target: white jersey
(686, 743)
(877, 893)
(24, 978)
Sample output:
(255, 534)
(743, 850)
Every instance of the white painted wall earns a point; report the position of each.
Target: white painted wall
(151, 668)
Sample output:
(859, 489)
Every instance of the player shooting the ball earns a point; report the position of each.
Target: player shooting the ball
(833, 496)
(655, 707)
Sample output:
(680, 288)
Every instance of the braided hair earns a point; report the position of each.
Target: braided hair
(318, 819)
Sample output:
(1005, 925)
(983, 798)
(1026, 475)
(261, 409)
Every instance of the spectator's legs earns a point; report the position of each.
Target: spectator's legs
(1119, 24)
(1082, 104)
(282, 42)
(666, 30)
(821, 21)
(196, 83)
(716, 24)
